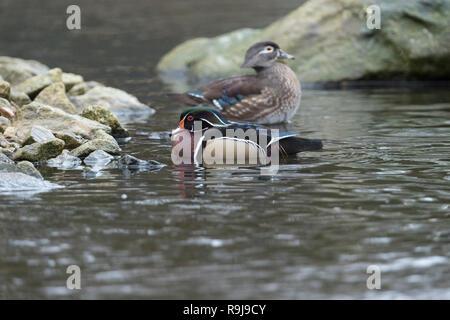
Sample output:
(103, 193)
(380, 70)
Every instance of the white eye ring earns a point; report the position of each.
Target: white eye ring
(267, 50)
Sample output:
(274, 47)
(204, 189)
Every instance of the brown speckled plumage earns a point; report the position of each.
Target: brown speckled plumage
(276, 102)
(272, 95)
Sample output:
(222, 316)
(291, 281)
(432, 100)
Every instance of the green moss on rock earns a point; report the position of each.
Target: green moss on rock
(331, 42)
(40, 151)
(106, 117)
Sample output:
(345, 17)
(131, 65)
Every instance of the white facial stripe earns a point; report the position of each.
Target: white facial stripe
(215, 125)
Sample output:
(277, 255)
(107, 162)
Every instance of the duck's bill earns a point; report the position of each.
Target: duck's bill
(284, 55)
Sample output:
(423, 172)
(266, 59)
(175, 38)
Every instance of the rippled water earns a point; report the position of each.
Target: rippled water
(378, 193)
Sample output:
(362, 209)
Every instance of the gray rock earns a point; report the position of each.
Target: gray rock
(6, 109)
(91, 173)
(3, 142)
(39, 134)
(92, 84)
(100, 134)
(71, 79)
(98, 159)
(5, 159)
(6, 164)
(106, 117)
(188, 54)
(33, 85)
(78, 89)
(71, 140)
(18, 181)
(9, 152)
(5, 89)
(29, 169)
(64, 161)
(7, 167)
(101, 141)
(130, 162)
(15, 70)
(40, 150)
(10, 132)
(332, 43)
(159, 135)
(4, 123)
(115, 100)
(55, 96)
(20, 98)
(155, 165)
(54, 119)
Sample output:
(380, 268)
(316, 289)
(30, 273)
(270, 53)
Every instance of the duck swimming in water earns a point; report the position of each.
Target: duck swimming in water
(246, 140)
(272, 95)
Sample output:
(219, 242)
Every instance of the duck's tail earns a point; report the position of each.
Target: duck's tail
(293, 145)
(191, 97)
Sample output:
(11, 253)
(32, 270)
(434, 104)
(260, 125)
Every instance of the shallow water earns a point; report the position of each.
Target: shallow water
(378, 193)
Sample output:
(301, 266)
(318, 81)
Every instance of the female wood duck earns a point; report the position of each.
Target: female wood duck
(249, 146)
(271, 96)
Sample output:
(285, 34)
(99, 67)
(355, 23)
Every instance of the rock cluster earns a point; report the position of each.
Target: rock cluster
(50, 116)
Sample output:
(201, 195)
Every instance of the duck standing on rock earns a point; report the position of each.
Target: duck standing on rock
(270, 96)
(226, 138)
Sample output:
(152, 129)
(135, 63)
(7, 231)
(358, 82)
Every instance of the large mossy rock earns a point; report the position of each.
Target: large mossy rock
(332, 43)
(40, 151)
(106, 117)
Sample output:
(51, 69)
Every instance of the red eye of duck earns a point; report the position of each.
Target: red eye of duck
(190, 118)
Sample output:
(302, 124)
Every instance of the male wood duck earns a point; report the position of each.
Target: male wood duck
(270, 96)
(244, 144)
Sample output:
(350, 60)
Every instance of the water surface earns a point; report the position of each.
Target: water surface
(378, 193)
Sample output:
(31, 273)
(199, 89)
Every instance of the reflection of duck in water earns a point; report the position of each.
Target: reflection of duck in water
(218, 138)
(271, 96)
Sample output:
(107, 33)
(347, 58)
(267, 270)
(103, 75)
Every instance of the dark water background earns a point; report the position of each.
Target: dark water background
(378, 194)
